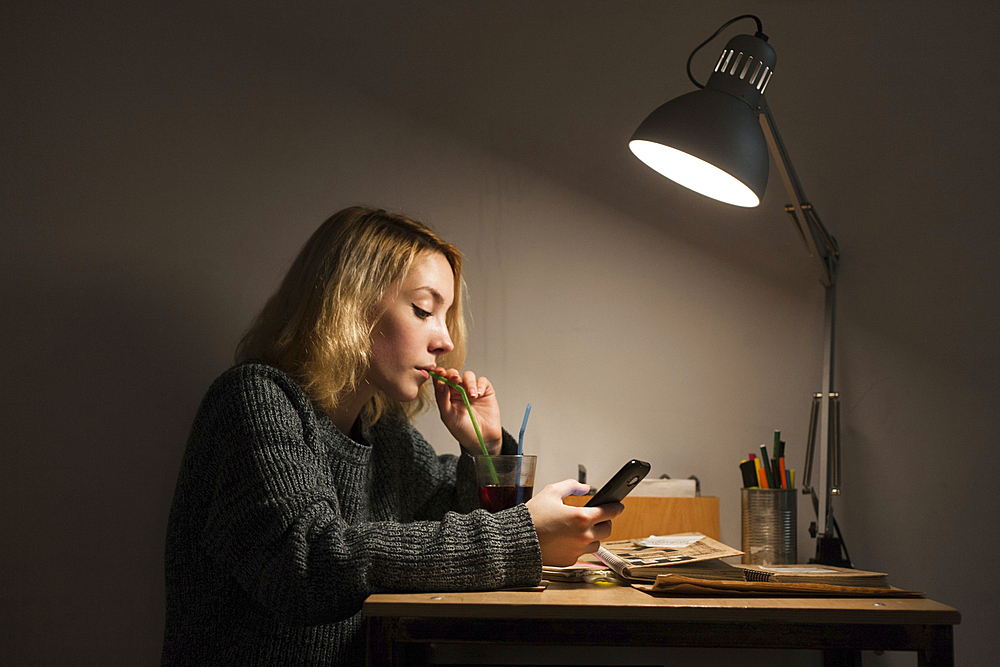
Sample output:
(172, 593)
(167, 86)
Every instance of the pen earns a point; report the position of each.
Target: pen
(779, 453)
(749, 472)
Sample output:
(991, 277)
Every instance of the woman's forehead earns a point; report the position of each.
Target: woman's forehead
(431, 272)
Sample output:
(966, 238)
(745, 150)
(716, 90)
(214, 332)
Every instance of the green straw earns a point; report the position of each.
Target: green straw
(472, 416)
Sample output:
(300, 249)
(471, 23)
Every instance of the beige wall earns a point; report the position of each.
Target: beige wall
(150, 206)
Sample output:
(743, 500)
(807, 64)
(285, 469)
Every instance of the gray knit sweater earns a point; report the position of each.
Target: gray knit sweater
(281, 526)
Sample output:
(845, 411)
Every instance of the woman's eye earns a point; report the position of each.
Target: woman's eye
(420, 312)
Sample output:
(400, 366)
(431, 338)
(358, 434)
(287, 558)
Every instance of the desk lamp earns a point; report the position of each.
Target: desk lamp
(715, 141)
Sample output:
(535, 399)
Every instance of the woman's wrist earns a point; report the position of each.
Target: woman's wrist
(494, 447)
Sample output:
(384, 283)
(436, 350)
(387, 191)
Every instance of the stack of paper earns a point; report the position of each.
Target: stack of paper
(689, 564)
(666, 488)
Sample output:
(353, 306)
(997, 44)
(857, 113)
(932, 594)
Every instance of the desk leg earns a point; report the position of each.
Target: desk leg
(385, 651)
(381, 647)
(841, 658)
(941, 652)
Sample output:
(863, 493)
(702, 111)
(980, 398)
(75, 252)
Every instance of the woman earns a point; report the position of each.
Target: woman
(304, 487)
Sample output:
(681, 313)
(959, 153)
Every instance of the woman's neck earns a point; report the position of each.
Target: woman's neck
(346, 414)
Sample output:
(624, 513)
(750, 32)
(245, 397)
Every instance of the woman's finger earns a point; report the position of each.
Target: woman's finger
(469, 382)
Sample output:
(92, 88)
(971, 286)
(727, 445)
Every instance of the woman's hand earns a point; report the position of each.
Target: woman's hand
(565, 533)
(483, 400)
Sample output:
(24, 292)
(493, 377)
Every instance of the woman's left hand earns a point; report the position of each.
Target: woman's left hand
(483, 400)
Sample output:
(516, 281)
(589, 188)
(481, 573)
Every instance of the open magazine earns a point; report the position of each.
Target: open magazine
(640, 560)
(693, 553)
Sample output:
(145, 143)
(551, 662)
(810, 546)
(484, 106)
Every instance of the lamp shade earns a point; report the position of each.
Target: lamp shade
(710, 140)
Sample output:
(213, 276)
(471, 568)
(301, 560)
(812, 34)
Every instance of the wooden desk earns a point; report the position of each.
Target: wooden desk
(401, 627)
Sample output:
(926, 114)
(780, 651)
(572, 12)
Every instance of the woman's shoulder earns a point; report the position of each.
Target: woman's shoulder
(256, 398)
(253, 372)
(255, 385)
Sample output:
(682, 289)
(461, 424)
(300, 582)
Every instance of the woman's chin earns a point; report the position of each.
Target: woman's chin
(405, 394)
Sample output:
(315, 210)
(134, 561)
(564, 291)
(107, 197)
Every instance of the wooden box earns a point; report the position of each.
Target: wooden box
(645, 516)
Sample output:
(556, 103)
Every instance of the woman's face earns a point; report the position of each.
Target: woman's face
(411, 334)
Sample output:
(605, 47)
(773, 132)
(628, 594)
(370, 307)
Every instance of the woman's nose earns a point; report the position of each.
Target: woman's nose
(441, 344)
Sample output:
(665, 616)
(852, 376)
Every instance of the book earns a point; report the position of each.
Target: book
(675, 585)
(801, 580)
(643, 560)
(814, 574)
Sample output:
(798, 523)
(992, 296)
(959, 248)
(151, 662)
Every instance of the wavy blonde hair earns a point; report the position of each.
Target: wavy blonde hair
(317, 326)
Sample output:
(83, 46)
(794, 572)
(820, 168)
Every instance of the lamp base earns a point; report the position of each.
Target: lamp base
(830, 551)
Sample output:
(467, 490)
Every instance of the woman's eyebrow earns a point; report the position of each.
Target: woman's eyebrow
(433, 292)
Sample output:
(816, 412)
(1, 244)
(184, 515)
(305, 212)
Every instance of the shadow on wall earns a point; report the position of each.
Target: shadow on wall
(106, 363)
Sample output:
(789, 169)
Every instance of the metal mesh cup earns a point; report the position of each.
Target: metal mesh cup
(769, 519)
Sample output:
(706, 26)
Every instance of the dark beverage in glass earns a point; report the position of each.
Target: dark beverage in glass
(494, 498)
(504, 480)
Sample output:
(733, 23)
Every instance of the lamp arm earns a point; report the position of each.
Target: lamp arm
(823, 246)
(819, 242)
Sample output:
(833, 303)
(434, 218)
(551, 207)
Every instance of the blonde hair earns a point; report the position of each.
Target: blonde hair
(317, 326)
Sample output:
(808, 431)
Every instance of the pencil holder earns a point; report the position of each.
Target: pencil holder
(769, 520)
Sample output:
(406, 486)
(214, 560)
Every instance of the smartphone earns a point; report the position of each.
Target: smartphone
(621, 484)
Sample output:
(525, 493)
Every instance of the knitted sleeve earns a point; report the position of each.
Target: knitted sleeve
(446, 482)
(295, 519)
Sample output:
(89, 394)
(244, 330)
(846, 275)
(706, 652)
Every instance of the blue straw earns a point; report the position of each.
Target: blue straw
(520, 438)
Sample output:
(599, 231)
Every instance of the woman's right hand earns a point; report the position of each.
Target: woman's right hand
(565, 532)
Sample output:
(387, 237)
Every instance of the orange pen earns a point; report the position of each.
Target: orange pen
(762, 477)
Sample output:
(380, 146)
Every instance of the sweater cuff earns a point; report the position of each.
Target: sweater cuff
(509, 445)
(523, 565)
